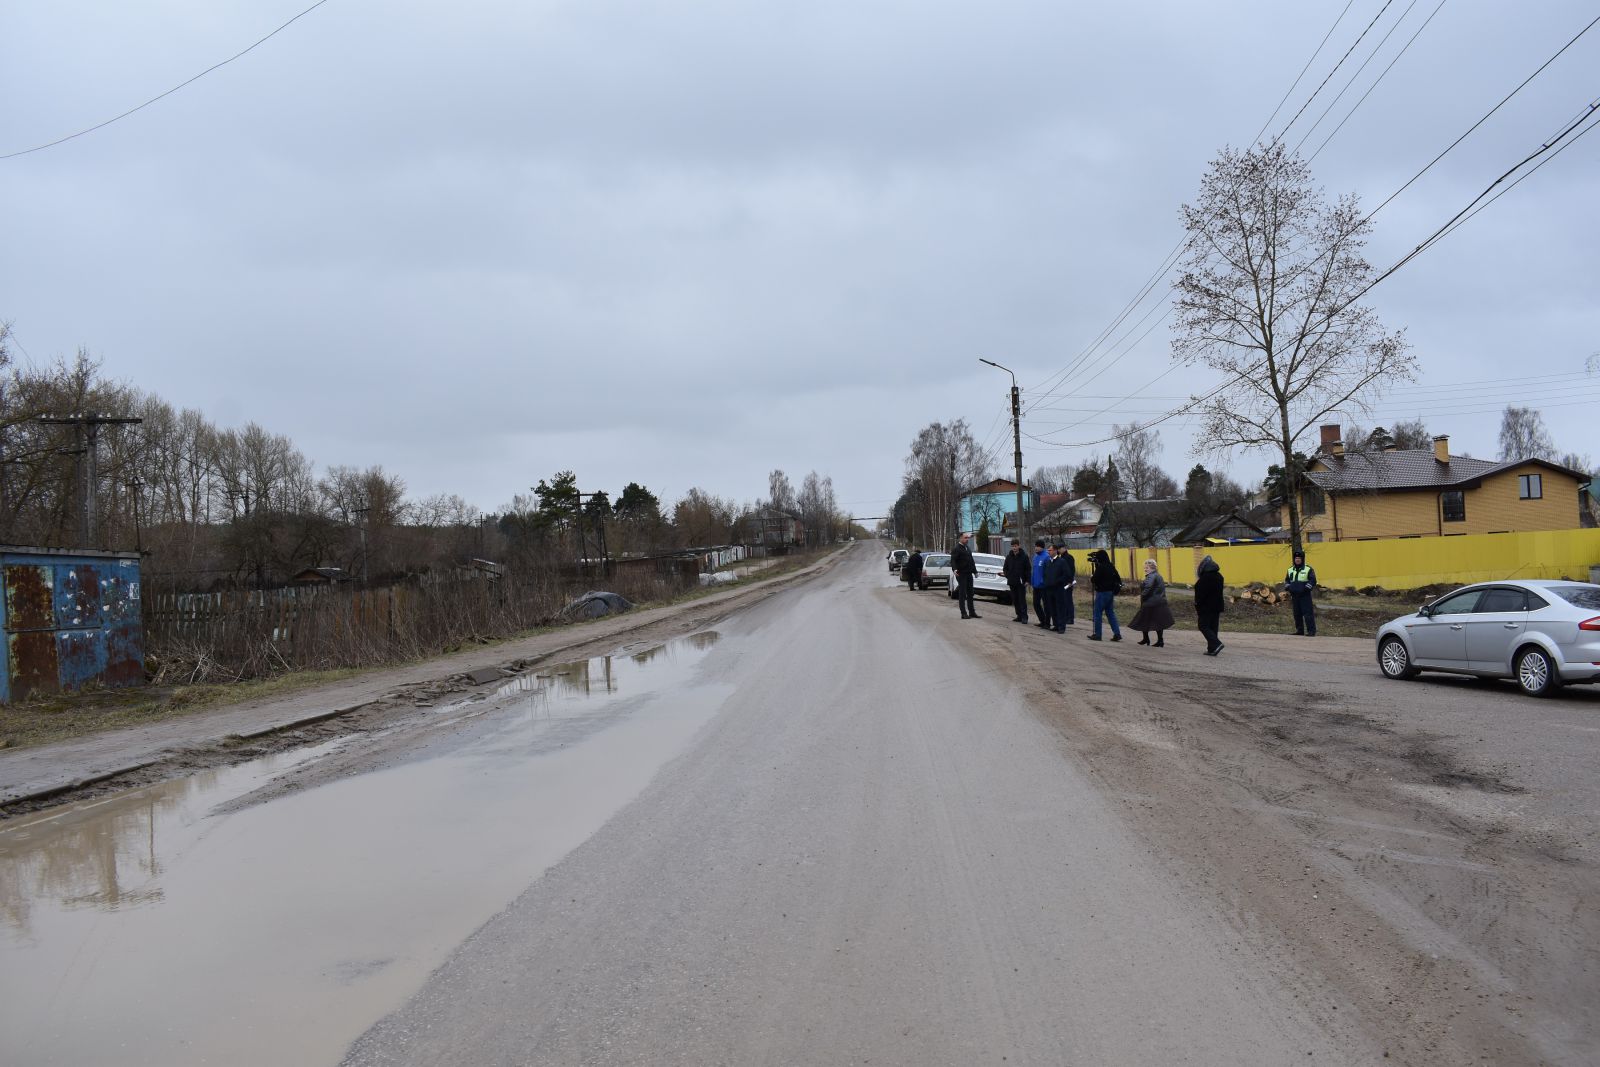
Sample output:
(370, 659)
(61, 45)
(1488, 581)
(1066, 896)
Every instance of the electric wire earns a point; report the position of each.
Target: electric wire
(169, 92)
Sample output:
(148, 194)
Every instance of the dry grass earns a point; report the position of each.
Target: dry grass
(66, 716)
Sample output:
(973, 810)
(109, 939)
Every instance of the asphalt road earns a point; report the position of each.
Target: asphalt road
(842, 825)
(874, 853)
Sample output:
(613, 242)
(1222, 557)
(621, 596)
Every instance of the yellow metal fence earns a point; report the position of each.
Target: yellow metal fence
(1394, 563)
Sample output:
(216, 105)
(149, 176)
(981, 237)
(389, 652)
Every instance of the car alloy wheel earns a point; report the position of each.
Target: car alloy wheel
(1394, 659)
(1536, 674)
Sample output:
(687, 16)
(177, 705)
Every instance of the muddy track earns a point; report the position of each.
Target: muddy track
(382, 731)
(1395, 883)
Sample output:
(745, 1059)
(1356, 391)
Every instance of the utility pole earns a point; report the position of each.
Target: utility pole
(88, 464)
(1016, 441)
(362, 529)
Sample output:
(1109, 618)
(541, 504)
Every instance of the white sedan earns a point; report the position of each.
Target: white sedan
(990, 579)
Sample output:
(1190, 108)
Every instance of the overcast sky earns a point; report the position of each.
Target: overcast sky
(685, 243)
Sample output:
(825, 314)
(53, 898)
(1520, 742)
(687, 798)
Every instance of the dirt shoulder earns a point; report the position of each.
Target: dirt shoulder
(1408, 880)
(356, 702)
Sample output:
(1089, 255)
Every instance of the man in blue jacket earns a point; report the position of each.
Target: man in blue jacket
(1041, 599)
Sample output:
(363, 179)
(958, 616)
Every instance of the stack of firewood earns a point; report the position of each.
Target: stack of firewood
(1260, 593)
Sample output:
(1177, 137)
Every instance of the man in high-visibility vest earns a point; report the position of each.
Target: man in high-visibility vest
(1301, 580)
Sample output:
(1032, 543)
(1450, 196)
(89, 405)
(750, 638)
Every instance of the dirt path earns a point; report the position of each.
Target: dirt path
(380, 702)
(1446, 900)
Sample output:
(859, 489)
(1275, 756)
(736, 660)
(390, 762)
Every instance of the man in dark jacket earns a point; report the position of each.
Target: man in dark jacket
(911, 569)
(1041, 599)
(1107, 583)
(1018, 571)
(1058, 576)
(1300, 581)
(963, 568)
(1208, 603)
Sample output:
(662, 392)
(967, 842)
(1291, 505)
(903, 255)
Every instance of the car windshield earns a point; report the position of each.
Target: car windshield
(1579, 596)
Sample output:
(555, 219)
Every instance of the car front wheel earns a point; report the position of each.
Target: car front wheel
(1536, 673)
(1394, 659)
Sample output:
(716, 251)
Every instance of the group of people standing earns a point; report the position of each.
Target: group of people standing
(1051, 574)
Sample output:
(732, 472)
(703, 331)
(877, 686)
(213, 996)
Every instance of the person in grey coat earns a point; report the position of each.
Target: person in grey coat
(1154, 613)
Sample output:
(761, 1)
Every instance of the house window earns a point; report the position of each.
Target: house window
(1454, 504)
(1530, 486)
(1315, 537)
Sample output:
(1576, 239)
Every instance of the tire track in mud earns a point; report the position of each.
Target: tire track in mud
(1396, 883)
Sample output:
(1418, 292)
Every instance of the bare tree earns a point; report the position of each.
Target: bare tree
(1267, 295)
(1136, 456)
(780, 492)
(945, 461)
(1052, 479)
(1523, 436)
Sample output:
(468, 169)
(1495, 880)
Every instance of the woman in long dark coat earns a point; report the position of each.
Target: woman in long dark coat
(1208, 602)
(1154, 613)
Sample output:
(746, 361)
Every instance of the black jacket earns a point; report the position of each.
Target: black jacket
(1019, 567)
(1105, 578)
(911, 569)
(1208, 592)
(961, 561)
(1058, 572)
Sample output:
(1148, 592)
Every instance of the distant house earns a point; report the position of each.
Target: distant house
(1078, 517)
(1142, 523)
(1422, 492)
(1230, 527)
(993, 501)
(775, 528)
(320, 576)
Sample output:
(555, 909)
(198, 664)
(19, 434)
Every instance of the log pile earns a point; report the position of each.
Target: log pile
(1260, 593)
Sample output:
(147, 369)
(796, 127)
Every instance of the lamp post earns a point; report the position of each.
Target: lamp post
(1016, 440)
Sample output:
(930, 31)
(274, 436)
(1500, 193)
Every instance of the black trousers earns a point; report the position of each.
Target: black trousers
(1305, 614)
(1019, 598)
(1062, 610)
(1041, 605)
(964, 594)
(1210, 622)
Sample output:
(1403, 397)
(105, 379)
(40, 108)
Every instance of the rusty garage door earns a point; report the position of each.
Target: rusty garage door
(71, 619)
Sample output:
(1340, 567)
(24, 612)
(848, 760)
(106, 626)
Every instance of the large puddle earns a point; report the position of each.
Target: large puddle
(141, 929)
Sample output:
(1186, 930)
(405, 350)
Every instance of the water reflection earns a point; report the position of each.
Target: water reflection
(144, 929)
(105, 855)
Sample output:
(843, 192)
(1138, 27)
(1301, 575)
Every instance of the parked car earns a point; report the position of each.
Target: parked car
(989, 581)
(897, 558)
(991, 577)
(935, 570)
(1545, 634)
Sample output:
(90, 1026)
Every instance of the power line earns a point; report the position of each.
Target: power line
(169, 92)
(1357, 105)
(1288, 125)
(1355, 74)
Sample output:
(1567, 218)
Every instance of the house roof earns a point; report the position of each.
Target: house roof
(1057, 516)
(1410, 468)
(1207, 527)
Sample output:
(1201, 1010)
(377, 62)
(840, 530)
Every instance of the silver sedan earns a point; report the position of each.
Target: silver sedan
(1545, 634)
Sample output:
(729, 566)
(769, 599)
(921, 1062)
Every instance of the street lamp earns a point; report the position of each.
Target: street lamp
(1016, 440)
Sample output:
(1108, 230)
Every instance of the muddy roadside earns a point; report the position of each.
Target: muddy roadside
(1394, 881)
(379, 704)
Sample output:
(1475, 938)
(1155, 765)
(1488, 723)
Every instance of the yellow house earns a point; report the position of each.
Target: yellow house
(1421, 492)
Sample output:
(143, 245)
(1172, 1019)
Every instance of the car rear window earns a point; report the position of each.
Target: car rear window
(1579, 596)
(988, 559)
(937, 561)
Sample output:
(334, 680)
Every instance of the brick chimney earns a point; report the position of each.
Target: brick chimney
(1441, 448)
(1332, 443)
